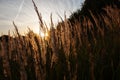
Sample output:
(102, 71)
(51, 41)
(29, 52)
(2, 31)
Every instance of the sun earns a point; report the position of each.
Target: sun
(36, 30)
(44, 35)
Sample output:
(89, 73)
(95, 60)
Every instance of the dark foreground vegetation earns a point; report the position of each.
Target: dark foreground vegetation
(84, 47)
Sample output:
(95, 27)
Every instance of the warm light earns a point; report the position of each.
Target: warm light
(44, 35)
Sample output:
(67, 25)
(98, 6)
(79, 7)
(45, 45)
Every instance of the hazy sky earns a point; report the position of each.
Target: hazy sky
(22, 12)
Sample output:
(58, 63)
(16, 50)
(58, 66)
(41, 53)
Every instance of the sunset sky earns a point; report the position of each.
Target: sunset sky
(23, 14)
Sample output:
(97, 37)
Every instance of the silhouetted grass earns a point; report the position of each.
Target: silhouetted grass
(85, 49)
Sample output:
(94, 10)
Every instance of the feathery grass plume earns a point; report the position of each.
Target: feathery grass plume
(39, 17)
(16, 29)
(113, 13)
(52, 35)
(78, 32)
(91, 31)
(100, 31)
(107, 22)
(67, 36)
(60, 17)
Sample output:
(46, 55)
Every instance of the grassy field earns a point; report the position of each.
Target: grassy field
(84, 49)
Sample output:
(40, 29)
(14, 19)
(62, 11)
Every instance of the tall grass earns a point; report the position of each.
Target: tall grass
(88, 49)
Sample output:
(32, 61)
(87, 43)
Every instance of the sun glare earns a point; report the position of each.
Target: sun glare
(37, 31)
(43, 35)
